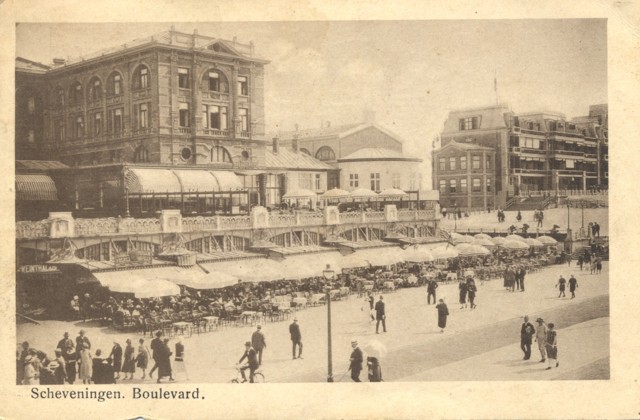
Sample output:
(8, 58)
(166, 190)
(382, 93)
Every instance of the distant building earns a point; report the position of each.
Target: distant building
(537, 154)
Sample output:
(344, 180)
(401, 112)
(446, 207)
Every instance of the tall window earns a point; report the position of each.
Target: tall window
(442, 164)
(75, 94)
(141, 113)
(318, 184)
(114, 84)
(244, 118)
(353, 181)
(469, 123)
(60, 98)
(487, 163)
(488, 185)
(97, 123)
(216, 82)
(475, 185)
(463, 185)
(243, 86)
(452, 163)
(452, 185)
(325, 153)
(442, 186)
(95, 90)
(415, 181)
(215, 117)
(114, 121)
(475, 162)
(395, 180)
(183, 78)
(78, 128)
(141, 154)
(141, 78)
(184, 114)
(59, 130)
(32, 136)
(220, 155)
(463, 162)
(375, 181)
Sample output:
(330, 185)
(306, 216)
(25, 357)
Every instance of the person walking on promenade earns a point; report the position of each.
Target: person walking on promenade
(432, 285)
(471, 291)
(116, 356)
(371, 301)
(573, 284)
(521, 273)
(552, 345)
(156, 343)
(296, 339)
(81, 340)
(569, 260)
(598, 265)
(142, 358)
(561, 286)
(355, 361)
(462, 287)
(259, 343)
(129, 362)
(526, 333)
(380, 315)
(541, 338)
(164, 361)
(86, 364)
(443, 313)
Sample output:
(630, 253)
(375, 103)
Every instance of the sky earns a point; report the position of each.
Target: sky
(410, 74)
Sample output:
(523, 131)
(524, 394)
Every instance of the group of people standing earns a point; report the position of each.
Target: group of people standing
(467, 288)
(514, 278)
(546, 337)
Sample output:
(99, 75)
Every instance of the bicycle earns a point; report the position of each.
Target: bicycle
(258, 377)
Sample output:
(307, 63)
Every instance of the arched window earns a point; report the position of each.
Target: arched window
(303, 150)
(325, 153)
(114, 84)
(95, 90)
(216, 81)
(141, 78)
(58, 98)
(220, 155)
(141, 154)
(75, 94)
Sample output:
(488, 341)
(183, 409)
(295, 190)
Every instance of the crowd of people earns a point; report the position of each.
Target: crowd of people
(77, 361)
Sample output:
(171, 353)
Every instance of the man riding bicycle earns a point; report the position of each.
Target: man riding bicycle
(252, 359)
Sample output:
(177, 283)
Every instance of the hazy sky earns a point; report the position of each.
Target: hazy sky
(410, 73)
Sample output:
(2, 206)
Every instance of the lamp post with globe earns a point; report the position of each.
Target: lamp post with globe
(329, 275)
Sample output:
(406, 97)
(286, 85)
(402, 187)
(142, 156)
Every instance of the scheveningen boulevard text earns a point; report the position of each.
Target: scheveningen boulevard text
(100, 396)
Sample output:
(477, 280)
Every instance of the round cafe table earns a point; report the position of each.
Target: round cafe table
(211, 321)
(299, 301)
(182, 327)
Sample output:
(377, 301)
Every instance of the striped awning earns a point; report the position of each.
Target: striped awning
(152, 180)
(228, 181)
(144, 180)
(35, 188)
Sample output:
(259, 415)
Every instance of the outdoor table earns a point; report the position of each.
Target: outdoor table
(246, 315)
(211, 320)
(452, 277)
(368, 287)
(344, 291)
(299, 301)
(317, 297)
(389, 285)
(181, 326)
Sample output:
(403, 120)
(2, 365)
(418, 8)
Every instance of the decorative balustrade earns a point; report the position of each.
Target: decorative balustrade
(351, 217)
(375, 216)
(307, 219)
(198, 224)
(280, 220)
(215, 132)
(235, 222)
(96, 227)
(131, 225)
(39, 229)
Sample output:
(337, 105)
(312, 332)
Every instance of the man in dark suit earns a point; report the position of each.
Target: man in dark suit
(380, 316)
(526, 333)
(432, 285)
(296, 338)
(81, 340)
(258, 343)
(252, 359)
(155, 345)
(356, 362)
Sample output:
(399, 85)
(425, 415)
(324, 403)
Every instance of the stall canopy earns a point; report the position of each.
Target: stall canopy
(381, 255)
(393, 193)
(483, 242)
(482, 236)
(547, 240)
(498, 240)
(212, 278)
(362, 193)
(444, 252)
(310, 264)
(334, 194)
(534, 243)
(511, 244)
(35, 188)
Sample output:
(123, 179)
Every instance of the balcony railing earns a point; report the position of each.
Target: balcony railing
(184, 130)
(245, 134)
(568, 152)
(215, 132)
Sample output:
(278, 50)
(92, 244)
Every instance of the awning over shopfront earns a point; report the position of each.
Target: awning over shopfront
(143, 283)
(311, 264)
(251, 270)
(35, 188)
(381, 255)
(144, 180)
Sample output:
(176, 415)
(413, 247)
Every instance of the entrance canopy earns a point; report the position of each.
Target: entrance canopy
(145, 180)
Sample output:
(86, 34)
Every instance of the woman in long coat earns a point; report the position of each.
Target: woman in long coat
(116, 356)
(86, 364)
(462, 286)
(443, 313)
(128, 365)
(164, 361)
(142, 359)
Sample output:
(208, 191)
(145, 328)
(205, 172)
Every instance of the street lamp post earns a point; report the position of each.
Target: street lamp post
(329, 275)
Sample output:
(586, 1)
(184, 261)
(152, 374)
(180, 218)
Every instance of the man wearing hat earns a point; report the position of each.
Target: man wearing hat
(252, 359)
(258, 342)
(82, 341)
(380, 315)
(356, 361)
(66, 346)
(156, 349)
(541, 338)
(526, 333)
(296, 338)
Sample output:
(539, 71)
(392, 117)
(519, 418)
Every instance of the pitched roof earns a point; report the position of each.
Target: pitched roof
(466, 146)
(376, 153)
(39, 165)
(288, 159)
(333, 131)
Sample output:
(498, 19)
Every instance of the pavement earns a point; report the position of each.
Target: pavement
(479, 344)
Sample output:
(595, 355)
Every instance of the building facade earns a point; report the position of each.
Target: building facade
(536, 154)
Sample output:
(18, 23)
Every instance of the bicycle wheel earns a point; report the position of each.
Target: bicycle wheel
(258, 378)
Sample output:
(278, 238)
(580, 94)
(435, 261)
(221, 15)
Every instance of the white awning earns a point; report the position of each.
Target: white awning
(227, 181)
(193, 181)
(142, 283)
(250, 270)
(141, 180)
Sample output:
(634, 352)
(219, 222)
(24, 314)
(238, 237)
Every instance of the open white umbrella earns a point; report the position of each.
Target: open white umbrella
(445, 252)
(417, 255)
(468, 250)
(362, 193)
(374, 348)
(483, 242)
(393, 193)
(334, 194)
(547, 240)
(534, 243)
(498, 240)
(511, 244)
(514, 238)
(482, 236)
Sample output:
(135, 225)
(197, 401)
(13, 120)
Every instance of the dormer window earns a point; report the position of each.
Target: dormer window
(469, 123)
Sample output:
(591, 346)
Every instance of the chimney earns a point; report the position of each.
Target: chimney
(276, 144)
